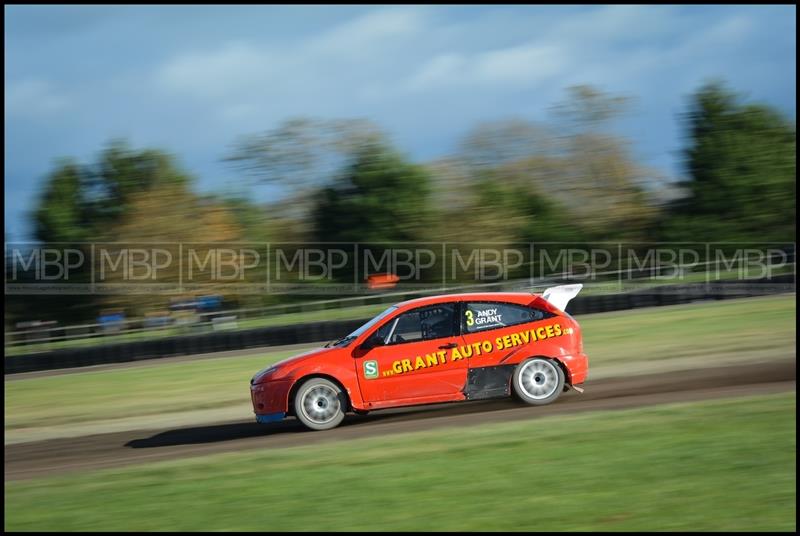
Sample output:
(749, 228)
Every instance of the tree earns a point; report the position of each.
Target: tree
(61, 217)
(126, 195)
(496, 143)
(608, 192)
(299, 157)
(303, 152)
(573, 163)
(122, 173)
(162, 217)
(587, 108)
(62, 212)
(379, 198)
(741, 162)
(80, 202)
(514, 213)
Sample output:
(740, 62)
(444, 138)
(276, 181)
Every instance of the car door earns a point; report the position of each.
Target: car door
(410, 360)
(494, 332)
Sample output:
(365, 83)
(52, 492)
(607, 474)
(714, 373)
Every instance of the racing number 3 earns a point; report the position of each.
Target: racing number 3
(470, 320)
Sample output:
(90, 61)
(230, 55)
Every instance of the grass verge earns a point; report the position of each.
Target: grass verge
(725, 465)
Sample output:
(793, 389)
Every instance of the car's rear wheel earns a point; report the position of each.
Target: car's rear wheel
(538, 381)
(320, 404)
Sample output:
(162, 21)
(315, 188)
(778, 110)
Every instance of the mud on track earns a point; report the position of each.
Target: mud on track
(43, 458)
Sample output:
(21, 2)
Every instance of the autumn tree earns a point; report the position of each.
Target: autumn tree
(165, 217)
(127, 195)
(591, 184)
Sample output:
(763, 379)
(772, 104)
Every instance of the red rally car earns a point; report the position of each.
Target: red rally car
(431, 350)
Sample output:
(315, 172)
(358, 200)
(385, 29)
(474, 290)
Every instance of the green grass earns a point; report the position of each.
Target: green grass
(706, 331)
(758, 325)
(726, 465)
(149, 390)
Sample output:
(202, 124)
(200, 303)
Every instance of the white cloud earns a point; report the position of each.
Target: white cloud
(372, 60)
(529, 63)
(441, 70)
(218, 72)
(246, 70)
(33, 98)
(569, 49)
(731, 29)
(615, 23)
(618, 47)
(365, 34)
(512, 67)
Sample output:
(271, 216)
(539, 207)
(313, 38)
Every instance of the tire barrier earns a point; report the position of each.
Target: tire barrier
(327, 331)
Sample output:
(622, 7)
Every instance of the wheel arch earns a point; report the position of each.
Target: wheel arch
(300, 381)
(559, 362)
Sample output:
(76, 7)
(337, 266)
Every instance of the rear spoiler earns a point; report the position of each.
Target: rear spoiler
(561, 295)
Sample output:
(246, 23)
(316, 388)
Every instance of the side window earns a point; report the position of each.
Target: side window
(421, 324)
(480, 316)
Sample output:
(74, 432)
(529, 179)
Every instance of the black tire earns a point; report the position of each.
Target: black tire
(320, 404)
(538, 381)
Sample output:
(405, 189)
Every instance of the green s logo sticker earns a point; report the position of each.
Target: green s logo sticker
(370, 369)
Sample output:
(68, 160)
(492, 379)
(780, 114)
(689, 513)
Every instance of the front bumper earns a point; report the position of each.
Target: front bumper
(271, 397)
(270, 417)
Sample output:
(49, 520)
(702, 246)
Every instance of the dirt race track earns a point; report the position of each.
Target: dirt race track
(43, 458)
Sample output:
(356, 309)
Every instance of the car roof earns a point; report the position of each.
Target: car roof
(510, 297)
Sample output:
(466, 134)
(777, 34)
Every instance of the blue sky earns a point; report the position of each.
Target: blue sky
(192, 80)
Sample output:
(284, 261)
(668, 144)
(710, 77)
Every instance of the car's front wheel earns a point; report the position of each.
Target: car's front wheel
(320, 404)
(538, 381)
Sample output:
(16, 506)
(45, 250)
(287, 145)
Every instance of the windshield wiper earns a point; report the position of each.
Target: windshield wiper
(343, 339)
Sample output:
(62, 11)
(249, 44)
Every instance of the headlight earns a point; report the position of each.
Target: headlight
(261, 373)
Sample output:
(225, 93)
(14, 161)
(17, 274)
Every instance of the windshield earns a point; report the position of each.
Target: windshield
(371, 323)
(346, 340)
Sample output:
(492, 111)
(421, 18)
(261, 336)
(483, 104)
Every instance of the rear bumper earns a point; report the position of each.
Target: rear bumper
(578, 367)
